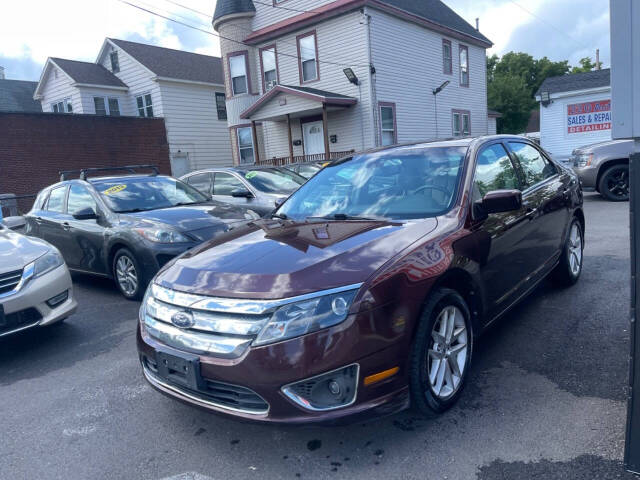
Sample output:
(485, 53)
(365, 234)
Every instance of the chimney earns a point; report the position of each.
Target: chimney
(597, 59)
(477, 23)
(1, 73)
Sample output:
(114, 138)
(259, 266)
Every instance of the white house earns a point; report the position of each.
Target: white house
(130, 78)
(575, 110)
(312, 79)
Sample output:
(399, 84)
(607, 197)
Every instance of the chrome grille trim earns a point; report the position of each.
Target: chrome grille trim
(24, 276)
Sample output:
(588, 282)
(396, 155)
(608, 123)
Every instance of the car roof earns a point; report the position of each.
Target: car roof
(123, 177)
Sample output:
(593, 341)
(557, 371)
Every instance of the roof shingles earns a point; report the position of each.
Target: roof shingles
(17, 96)
(89, 73)
(576, 81)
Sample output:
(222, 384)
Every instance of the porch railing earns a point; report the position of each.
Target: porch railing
(318, 157)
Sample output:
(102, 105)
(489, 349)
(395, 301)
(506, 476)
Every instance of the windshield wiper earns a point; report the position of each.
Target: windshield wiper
(281, 216)
(134, 210)
(182, 204)
(344, 216)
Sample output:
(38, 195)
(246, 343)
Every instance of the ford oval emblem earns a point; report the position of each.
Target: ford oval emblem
(183, 320)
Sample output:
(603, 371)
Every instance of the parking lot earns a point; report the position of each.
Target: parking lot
(546, 398)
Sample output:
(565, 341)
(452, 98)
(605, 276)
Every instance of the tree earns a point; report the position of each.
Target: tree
(586, 65)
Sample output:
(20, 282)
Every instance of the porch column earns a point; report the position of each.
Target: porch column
(256, 150)
(325, 125)
(290, 138)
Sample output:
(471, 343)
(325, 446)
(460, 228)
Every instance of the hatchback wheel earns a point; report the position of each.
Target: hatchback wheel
(127, 274)
(614, 183)
(441, 352)
(570, 265)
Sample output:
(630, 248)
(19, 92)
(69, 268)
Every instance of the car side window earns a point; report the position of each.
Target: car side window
(535, 167)
(201, 181)
(225, 183)
(494, 171)
(79, 199)
(56, 200)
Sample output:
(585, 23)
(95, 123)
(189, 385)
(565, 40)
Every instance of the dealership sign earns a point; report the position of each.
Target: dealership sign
(589, 116)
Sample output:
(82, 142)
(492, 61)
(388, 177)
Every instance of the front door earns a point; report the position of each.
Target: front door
(313, 136)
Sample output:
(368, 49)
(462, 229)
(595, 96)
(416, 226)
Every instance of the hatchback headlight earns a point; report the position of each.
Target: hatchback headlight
(299, 318)
(161, 235)
(47, 262)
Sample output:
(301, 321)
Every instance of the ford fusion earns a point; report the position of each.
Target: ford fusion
(127, 227)
(366, 290)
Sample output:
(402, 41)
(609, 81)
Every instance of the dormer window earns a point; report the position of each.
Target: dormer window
(308, 57)
(238, 71)
(115, 65)
(269, 68)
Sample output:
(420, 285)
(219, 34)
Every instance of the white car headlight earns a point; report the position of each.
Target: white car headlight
(47, 262)
(161, 235)
(300, 318)
(583, 160)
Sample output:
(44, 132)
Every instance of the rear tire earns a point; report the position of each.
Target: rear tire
(441, 353)
(614, 183)
(128, 275)
(569, 267)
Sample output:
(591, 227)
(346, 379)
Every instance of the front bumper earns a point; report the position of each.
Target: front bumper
(30, 302)
(588, 176)
(266, 369)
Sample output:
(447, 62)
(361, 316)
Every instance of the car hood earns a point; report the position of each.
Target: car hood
(619, 144)
(17, 250)
(206, 217)
(278, 259)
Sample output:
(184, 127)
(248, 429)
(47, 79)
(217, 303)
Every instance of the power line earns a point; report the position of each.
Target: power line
(230, 39)
(208, 15)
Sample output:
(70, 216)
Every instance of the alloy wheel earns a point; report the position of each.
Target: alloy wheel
(126, 275)
(618, 183)
(575, 249)
(447, 354)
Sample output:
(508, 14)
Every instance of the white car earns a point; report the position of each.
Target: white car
(35, 285)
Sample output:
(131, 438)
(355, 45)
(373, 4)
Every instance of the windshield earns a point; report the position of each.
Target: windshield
(399, 184)
(274, 180)
(124, 195)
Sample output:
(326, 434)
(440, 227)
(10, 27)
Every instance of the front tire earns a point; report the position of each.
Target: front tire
(441, 353)
(128, 275)
(569, 267)
(614, 183)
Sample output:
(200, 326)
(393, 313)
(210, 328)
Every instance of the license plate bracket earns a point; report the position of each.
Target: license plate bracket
(183, 369)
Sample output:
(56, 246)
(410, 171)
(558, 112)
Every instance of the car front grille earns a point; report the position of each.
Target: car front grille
(9, 281)
(220, 394)
(19, 320)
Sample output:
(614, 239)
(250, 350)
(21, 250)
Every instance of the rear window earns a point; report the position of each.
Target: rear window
(274, 180)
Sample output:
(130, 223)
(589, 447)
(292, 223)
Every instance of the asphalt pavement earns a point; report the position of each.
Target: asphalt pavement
(546, 398)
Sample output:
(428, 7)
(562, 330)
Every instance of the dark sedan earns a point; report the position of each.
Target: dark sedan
(127, 227)
(368, 288)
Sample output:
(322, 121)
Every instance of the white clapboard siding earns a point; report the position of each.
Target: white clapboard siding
(57, 87)
(267, 14)
(554, 136)
(136, 77)
(192, 124)
(409, 65)
(88, 106)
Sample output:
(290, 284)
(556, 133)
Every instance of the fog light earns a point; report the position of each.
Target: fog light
(58, 299)
(328, 391)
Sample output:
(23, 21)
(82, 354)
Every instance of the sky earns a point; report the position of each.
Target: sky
(32, 30)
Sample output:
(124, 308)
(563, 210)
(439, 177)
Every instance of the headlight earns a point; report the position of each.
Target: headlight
(47, 262)
(300, 318)
(161, 235)
(583, 160)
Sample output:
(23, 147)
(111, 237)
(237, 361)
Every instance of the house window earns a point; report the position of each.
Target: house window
(464, 65)
(106, 106)
(447, 58)
(269, 68)
(388, 131)
(245, 144)
(145, 105)
(115, 65)
(461, 123)
(238, 72)
(64, 106)
(221, 106)
(308, 57)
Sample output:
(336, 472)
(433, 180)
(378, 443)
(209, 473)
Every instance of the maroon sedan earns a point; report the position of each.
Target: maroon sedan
(365, 291)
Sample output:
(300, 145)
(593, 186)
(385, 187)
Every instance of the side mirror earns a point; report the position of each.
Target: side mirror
(241, 192)
(498, 201)
(85, 214)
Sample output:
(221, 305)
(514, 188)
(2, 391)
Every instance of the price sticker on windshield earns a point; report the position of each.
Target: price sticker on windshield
(115, 189)
(250, 175)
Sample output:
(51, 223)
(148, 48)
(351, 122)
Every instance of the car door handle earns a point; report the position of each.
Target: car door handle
(531, 212)
(38, 220)
(66, 227)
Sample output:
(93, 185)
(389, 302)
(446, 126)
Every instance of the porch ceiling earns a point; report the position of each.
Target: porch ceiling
(296, 102)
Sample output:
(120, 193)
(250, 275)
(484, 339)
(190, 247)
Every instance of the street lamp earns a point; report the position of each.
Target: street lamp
(435, 92)
(351, 76)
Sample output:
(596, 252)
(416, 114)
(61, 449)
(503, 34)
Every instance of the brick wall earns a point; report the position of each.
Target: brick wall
(35, 146)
